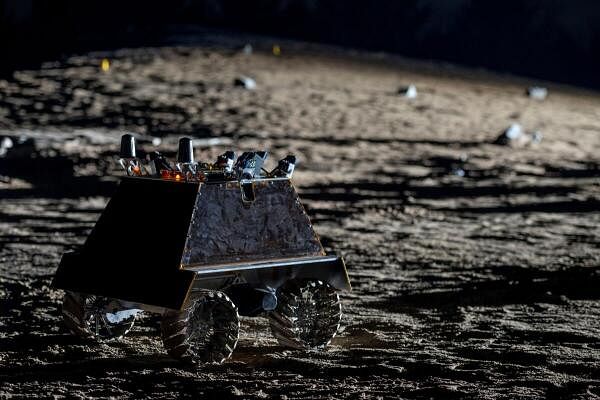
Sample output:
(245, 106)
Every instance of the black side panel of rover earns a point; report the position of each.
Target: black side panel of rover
(134, 251)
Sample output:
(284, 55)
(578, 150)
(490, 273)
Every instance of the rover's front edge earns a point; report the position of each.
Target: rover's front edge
(263, 243)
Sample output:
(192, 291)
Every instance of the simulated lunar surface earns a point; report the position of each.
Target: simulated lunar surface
(474, 254)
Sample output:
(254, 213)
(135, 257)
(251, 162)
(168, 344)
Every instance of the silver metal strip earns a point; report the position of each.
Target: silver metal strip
(257, 180)
(289, 263)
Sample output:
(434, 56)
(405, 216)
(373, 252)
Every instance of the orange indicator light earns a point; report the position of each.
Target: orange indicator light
(171, 175)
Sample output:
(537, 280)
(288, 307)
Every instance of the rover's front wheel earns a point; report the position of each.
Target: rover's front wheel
(90, 317)
(206, 331)
(307, 316)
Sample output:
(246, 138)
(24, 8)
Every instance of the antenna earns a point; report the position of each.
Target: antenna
(128, 158)
(185, 157)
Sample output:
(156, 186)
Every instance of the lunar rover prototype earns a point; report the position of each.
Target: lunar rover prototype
(201, 244)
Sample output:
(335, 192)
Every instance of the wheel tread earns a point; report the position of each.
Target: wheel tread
(285, 320)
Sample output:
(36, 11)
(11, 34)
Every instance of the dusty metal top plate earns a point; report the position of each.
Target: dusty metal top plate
(225, 229)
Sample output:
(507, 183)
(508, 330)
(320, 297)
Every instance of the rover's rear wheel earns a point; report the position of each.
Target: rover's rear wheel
(307, 316)
(205, 331)
(87, 316)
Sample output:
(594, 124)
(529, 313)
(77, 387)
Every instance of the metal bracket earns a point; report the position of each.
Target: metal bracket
(247, 189)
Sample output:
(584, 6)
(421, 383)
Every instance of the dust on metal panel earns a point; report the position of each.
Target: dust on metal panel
(225, 229)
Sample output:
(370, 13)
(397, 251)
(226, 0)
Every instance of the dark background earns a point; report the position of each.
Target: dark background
(545, 39)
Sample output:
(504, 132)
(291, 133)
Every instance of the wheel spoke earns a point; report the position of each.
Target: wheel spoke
(106, 325)
(97, 325)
